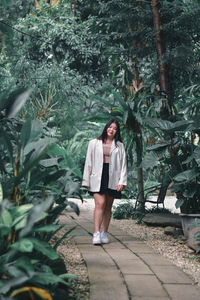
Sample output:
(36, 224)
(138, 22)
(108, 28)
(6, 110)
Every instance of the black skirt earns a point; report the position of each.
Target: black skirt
(104, 184)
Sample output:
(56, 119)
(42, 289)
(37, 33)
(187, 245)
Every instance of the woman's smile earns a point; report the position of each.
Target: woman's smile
(112, 129)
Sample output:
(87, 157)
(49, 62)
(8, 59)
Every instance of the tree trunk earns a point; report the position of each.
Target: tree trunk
(159, 45)
(140, 182)
(166, 110)
(136, 127)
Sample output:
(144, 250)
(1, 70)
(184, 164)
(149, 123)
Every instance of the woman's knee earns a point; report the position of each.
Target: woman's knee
(99, 201)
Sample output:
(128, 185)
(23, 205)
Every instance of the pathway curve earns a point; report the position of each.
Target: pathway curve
(127, 268)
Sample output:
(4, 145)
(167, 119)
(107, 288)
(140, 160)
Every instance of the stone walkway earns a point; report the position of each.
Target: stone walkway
(127, 268)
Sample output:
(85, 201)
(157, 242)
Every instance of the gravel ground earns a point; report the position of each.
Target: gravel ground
(173, 248)
(75, 264)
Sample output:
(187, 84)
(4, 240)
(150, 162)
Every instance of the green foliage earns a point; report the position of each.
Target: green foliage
(31, 169)
(127, 211)
(156, 209)
(124, 211)
(183, 168)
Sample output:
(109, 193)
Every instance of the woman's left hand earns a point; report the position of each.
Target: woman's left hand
(120, 187)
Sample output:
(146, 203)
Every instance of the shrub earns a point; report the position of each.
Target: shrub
(34, 187)
(127, 211)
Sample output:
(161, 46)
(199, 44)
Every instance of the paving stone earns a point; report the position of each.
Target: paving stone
(139, 247)
(121, 254)
(183, 291)
(105, 279)
(116, 231)
(114, 244)
(108, 288)
(87, 239)
(98, 260)
(127, 238)
(145, 286)
(151, 298)
(133, 267)
(90, 248)
(154, 259)
(171, 274)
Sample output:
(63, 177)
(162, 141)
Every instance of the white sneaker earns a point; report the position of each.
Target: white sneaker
(104, 237)
(96, 238)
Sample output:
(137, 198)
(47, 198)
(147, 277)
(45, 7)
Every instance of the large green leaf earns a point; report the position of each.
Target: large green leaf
(20, 222)
(24, 263)
(150, 160)
(46, 228)
(121, 101)
(4, 231)
(49, 162)
(23, 245)
(158, 146)
(190, 192)
(36, 156)
(167, 125)
(25, 132)
(187, 175)
(196, 155)
(17, 103)
(36, 130)
(158, 123)
(44, 248)
(31, 131)
(179, 202)
(36, 214)
(38, 144)
(21, 210)
(48, 279)
(6, 218)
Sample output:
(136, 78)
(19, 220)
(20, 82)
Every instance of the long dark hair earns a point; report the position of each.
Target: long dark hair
(117, 136)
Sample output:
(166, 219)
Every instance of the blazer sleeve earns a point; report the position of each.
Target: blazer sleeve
(88, 166)
(123, 174)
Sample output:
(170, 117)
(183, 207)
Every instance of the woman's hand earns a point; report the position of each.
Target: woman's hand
(120, 187)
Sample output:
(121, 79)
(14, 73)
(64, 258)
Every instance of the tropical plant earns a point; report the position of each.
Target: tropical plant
(182, 172)
(35, 183)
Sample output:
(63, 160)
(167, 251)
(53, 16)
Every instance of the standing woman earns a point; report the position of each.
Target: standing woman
(105, 176)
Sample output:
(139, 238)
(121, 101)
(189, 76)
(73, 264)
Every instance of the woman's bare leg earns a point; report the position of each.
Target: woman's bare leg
(107, 212)
(100, 203)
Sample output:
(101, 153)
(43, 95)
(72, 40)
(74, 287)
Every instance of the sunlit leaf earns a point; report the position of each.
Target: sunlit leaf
(24, 245)
(38, 291)
(6, 218)
(18, 103)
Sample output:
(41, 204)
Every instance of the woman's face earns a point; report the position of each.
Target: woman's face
(112, 130)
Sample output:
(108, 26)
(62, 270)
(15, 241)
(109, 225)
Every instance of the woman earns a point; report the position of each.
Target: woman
(105, 176)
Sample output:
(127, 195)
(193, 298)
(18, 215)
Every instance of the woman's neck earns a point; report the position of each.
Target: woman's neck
(108, 141)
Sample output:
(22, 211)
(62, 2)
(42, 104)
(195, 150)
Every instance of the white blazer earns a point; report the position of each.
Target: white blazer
(94, 166)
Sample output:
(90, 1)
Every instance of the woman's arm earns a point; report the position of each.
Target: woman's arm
(123, 173)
